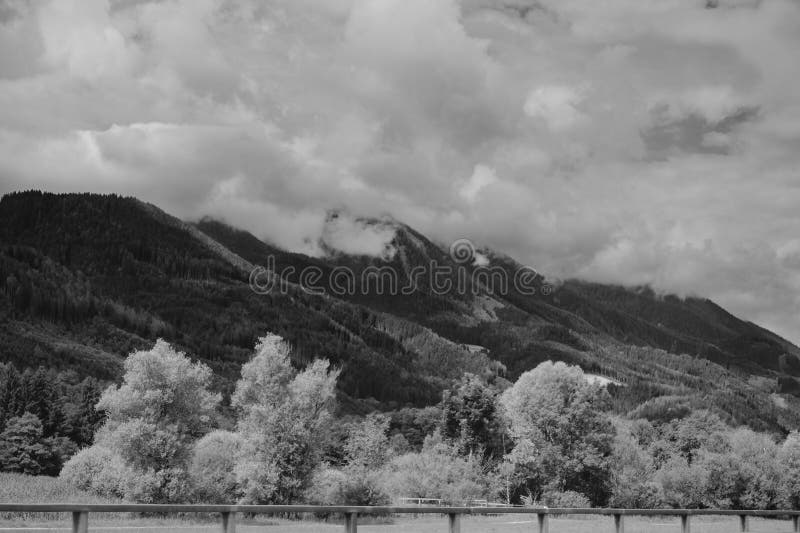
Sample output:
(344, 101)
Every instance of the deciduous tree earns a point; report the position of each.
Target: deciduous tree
(282, 414)
(563, 436)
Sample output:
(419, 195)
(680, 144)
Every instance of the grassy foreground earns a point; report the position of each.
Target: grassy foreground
(19, 488)
(16, 488)
(427, 524)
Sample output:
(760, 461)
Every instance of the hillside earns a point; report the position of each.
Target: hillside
(89, 278)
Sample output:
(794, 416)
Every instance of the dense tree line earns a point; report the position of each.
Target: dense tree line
(550, 438)
(45, 417)
(643, 373)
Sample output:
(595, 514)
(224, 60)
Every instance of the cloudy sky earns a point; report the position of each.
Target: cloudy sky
(628, 141)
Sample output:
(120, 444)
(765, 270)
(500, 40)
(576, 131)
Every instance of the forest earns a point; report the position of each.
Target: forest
(549, 438)
(45, 417)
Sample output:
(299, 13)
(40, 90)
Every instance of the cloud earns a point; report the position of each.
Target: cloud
(344, 233)
(556, 105)
(627, 142)
(482, 176)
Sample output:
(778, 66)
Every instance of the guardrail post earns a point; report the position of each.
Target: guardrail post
(544, 525)
(796, 523)
(744, 522)
(454, 519)
(351, 523)
(619, 523)
(228, 522)
(80, 522)
(686, 524)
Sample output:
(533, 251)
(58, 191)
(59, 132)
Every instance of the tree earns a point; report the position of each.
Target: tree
(358, 481)
(367, 444)
(282, 414)
(79, 410)
(153, 419)
(756, 457)
(684, 485)
(789, 460)
(632, 485)
(43, 400)
(12, 394)
(736, 469)
(25, 449)
(471, 419)
(563, 436)
(700, 430)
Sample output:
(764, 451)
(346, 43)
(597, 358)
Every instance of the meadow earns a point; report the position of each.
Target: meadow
(42, 489)
(426, 524)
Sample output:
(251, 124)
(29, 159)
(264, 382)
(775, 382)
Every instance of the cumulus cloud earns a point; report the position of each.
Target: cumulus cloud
(628, 142)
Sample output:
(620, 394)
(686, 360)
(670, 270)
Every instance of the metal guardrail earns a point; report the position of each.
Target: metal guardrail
(228, 513)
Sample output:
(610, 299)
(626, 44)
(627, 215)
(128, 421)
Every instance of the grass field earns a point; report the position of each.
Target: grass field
(433, 524)
(27, 489)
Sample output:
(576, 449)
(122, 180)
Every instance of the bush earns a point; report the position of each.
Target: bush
(684, 485)
(326, 486)
(97, 470)
(567, 499)
(647, 495)
(212, 468)
(438, 471)
(348, 486)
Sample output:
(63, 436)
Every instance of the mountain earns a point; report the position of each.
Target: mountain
(89, 278)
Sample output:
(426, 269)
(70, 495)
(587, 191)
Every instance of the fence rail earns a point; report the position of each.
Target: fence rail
(228, 513)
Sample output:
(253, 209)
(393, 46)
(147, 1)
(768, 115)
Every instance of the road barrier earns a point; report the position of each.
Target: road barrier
(228, 513)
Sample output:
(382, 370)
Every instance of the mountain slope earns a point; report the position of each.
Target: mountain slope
(635, 316)
(610, 330)
(89, 278)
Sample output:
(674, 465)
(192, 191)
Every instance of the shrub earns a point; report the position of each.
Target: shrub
(438, 471)
(212, 468)
(684, 485)
(97, 470)
(646, 495)
(349, 486)
(326, 486)
(568, 499)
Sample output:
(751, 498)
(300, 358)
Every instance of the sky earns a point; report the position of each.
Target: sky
(626, 141)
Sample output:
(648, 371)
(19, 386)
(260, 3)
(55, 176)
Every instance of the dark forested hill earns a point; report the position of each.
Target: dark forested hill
(88, 278)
